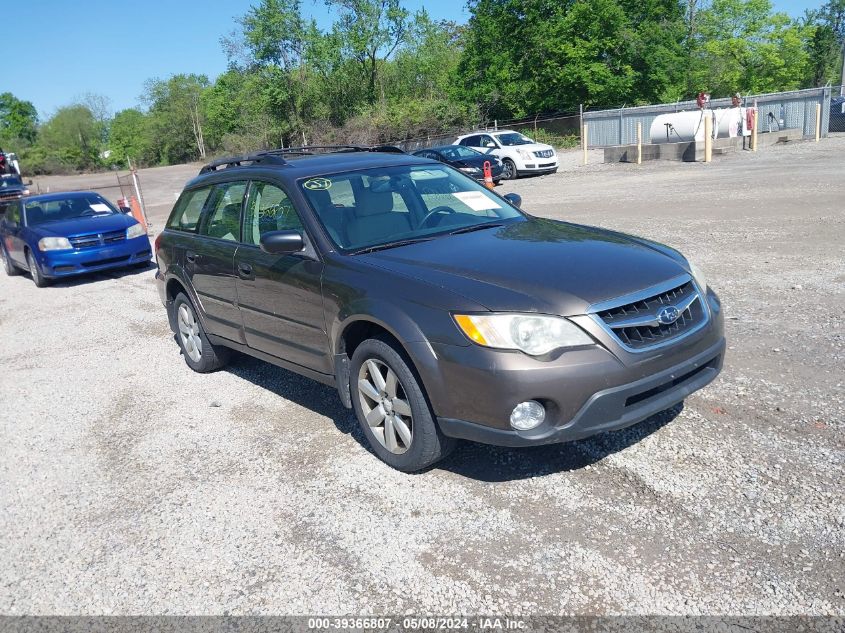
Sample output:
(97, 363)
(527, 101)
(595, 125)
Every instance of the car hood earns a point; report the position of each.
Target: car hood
(83, 226)
(531, 147)
(537, 265)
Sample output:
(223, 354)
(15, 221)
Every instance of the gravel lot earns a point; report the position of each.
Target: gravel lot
(131, 485)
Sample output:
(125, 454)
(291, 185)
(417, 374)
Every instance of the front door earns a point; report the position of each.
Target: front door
(279, 296)
(12, 229)
(211, 261)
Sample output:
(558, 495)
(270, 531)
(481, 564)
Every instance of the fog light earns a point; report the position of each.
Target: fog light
(527, 415)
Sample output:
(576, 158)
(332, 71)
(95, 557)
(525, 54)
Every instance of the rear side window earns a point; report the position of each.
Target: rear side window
(186, 213)
(224, 214)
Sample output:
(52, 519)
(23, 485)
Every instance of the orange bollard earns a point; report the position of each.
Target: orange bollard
(488, 175)
(136, 212)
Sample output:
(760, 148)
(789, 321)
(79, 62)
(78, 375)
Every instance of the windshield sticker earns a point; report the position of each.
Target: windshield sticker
(100, 207)
(477, 201)
(317, 184)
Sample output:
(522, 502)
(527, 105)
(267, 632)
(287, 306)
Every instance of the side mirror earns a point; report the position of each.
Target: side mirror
(490, 144)
(514, 198)
(282, 242)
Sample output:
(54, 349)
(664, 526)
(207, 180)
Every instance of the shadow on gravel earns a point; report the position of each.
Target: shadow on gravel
(471, 460)
(320, 398)
(496, 463)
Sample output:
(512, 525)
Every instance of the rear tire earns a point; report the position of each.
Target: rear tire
(199, 353)
(393, 410)
(8, 266)
(35, 272)
(509, 171)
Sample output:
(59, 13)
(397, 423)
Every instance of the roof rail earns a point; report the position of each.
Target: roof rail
(237, 161)
(335, 149)
(275, 156)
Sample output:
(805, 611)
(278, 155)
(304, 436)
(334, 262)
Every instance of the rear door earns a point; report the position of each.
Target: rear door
(210, 259)
(280, 296)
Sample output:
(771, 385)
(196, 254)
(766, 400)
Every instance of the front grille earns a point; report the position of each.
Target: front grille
(103, 262)
(11, 195)
(97, 239)
(637, 325)
(544, 153)
(546, 165)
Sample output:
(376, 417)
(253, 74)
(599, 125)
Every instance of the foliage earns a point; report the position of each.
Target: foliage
(18, 120)
(381, 73)
(71, 138)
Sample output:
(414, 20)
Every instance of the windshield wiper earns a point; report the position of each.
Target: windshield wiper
(476, 227)
(381, 247)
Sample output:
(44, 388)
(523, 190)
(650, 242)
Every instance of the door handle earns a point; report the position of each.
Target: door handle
(245, 271)
(191, 256)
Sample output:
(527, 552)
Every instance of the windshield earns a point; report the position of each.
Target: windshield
(10, 181)
(390, 205)
(513, 138)
(459, 151)
(43, 211)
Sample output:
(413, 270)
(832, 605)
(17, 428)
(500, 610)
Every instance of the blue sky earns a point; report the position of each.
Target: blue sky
(111, 47)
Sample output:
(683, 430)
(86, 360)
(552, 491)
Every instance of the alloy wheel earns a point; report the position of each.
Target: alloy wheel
(508, 170)
(385, 406)
(189, 332)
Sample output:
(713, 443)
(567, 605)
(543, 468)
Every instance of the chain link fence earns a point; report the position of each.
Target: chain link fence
(794, 109)
(562, 130)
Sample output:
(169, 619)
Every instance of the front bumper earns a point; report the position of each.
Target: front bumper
(609, 409)
(585, 390)
(55, 264)
(537, 165)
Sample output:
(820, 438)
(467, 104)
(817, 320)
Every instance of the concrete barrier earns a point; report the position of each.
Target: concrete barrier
(692, 151)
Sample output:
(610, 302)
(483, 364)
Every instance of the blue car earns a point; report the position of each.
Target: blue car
(63, 234)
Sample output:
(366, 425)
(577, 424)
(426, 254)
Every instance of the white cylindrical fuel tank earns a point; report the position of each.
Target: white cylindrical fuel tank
(728, 122)
(679, 127)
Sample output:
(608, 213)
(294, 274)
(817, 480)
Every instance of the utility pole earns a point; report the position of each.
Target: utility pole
(842, 79)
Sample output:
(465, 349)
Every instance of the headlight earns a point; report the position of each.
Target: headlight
(54, 244)
(698, 276)
(470, 170)
(533, 334)
(25, 192)
(136, 230)
(526, 155)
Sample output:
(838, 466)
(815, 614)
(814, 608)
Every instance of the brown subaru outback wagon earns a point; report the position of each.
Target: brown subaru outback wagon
(438, 309)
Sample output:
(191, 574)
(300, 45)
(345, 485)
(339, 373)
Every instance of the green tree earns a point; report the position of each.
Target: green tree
(71, 138)
(743, 46)
(826, 43)
(130, 136)
(18, 120)
(176, 117)
(371, 31)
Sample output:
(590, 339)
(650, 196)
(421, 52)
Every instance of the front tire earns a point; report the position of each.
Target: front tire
(35, 272)
(392, 408)
(199, 353)
(8, 266)
(509, 171)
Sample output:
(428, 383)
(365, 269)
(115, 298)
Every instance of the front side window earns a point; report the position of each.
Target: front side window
(510, 139)
(70, 208)
(400, 203)
(268, 209)
(13, 212)
(224, 216)
(186, 213)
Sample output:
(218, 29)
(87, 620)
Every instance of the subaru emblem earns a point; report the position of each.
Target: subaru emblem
(668, 315)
